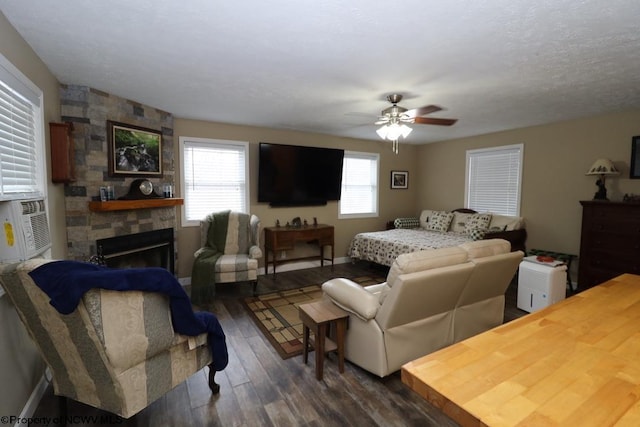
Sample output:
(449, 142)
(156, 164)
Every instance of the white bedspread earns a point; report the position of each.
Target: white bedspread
(383, 247)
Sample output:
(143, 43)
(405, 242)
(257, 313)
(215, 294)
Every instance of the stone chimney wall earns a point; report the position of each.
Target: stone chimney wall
(89, 110)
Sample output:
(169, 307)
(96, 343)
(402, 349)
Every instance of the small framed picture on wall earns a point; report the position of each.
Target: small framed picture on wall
(400, 179)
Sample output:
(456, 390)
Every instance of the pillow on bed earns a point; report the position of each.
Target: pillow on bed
(459, 223)
(410, 222)
(424, 218)
(477, 234)
(477, 222)
(439, 221)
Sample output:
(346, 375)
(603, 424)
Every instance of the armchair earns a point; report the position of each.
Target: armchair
(116, 351)
(229, 252)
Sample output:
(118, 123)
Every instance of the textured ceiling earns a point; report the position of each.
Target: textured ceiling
(326, 66)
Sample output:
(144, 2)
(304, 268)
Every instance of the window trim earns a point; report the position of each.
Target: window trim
(519, 147)
(203, 142)
(376, 213)
(23, 85)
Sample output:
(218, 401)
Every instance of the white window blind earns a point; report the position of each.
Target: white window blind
(359, 185)
(21, 153)
(215, 177)
(494, 178)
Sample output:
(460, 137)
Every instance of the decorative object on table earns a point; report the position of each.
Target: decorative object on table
(602, 168)
(631, 198)
(315, 221)
(140, 189)
(134, 150)
(277, 223)
(634, 170)
(296, 222)
(400, 179)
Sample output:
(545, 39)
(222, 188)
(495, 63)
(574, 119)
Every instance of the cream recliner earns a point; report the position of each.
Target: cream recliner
(431, 299)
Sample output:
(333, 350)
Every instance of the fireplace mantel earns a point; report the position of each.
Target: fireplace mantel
(121, 205)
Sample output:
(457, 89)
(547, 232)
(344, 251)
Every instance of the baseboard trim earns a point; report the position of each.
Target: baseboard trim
(290, 266)
(35, 397)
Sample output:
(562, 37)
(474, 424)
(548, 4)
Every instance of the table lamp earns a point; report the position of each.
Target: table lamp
(602, 167)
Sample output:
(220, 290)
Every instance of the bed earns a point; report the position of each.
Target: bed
(416, 234)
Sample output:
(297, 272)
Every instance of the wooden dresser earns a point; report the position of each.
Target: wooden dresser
(610, 241)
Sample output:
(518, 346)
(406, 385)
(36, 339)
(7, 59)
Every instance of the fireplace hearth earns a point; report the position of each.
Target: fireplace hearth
(139, 250)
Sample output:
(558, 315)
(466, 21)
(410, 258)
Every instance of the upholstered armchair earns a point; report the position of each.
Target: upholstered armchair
(116, 351)
(229, 252)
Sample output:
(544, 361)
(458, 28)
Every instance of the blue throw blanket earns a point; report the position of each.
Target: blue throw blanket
(65, 282)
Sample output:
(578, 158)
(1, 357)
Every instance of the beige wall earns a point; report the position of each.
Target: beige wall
(20, 365)
(393, 203)
(556, 158)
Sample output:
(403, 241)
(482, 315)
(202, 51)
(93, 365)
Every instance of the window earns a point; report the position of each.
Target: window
(493, 180)
(215, 177)
(359, 197)
(22, 165)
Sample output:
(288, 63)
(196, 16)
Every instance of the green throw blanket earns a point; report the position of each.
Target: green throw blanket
(203, 286)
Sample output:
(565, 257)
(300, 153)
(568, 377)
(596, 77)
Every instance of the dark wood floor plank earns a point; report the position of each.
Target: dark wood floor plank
(280, 414)
(259, 388)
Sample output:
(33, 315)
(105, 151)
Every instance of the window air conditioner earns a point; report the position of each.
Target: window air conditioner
(25, 229)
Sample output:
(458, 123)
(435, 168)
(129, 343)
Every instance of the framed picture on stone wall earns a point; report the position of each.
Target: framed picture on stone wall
(134, 150)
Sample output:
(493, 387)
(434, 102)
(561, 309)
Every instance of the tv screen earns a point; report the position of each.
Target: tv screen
(292, 175)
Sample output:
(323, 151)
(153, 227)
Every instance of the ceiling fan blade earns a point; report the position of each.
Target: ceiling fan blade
(434, 121)
(422, 111)
(382, 120)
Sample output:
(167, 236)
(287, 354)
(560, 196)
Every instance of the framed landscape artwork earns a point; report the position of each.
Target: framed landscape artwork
(134, 150)
(400, 179)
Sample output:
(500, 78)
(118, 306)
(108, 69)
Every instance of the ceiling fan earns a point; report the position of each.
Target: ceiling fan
(395, 113)
(394, 119)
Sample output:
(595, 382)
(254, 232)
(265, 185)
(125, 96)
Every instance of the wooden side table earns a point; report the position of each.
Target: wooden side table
(317, 316)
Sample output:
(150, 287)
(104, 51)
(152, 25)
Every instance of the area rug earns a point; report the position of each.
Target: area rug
(276, 314)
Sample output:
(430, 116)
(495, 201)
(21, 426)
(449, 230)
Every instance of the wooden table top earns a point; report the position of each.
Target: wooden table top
(575, 363)
(323, 311)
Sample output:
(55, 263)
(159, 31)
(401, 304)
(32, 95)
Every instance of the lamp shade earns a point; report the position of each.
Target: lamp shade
(603, 167)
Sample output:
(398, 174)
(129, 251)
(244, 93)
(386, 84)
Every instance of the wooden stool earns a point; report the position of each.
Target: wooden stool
(318, 316)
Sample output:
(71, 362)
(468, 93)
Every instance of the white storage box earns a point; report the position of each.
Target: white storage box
(540, 285)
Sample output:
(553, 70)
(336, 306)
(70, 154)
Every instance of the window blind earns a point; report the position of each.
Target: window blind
(494, 180)
(19, 118)
(215, 177)
(359, 184)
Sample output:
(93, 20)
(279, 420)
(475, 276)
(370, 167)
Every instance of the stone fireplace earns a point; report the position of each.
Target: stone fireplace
(89, 110)
(148, 249)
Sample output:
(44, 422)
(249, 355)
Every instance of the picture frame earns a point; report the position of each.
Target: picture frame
(134, 150)
(634, 169)
(399, 180)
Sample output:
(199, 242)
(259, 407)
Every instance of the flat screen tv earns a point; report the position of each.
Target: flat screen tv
(292, 175)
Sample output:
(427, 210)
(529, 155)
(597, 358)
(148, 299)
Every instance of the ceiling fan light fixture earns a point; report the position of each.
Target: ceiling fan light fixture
(393, 131)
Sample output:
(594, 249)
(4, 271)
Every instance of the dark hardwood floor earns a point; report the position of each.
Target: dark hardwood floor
(258, 388)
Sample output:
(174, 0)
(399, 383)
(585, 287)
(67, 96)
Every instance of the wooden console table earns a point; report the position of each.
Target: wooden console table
(285, 238)
(574, 363)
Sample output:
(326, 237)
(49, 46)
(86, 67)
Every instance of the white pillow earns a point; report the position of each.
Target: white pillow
(424, 217)
(439, 221)
(477, 222)
(459, 222)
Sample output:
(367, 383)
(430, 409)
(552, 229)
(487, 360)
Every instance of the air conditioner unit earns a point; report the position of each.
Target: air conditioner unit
(25, 229)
